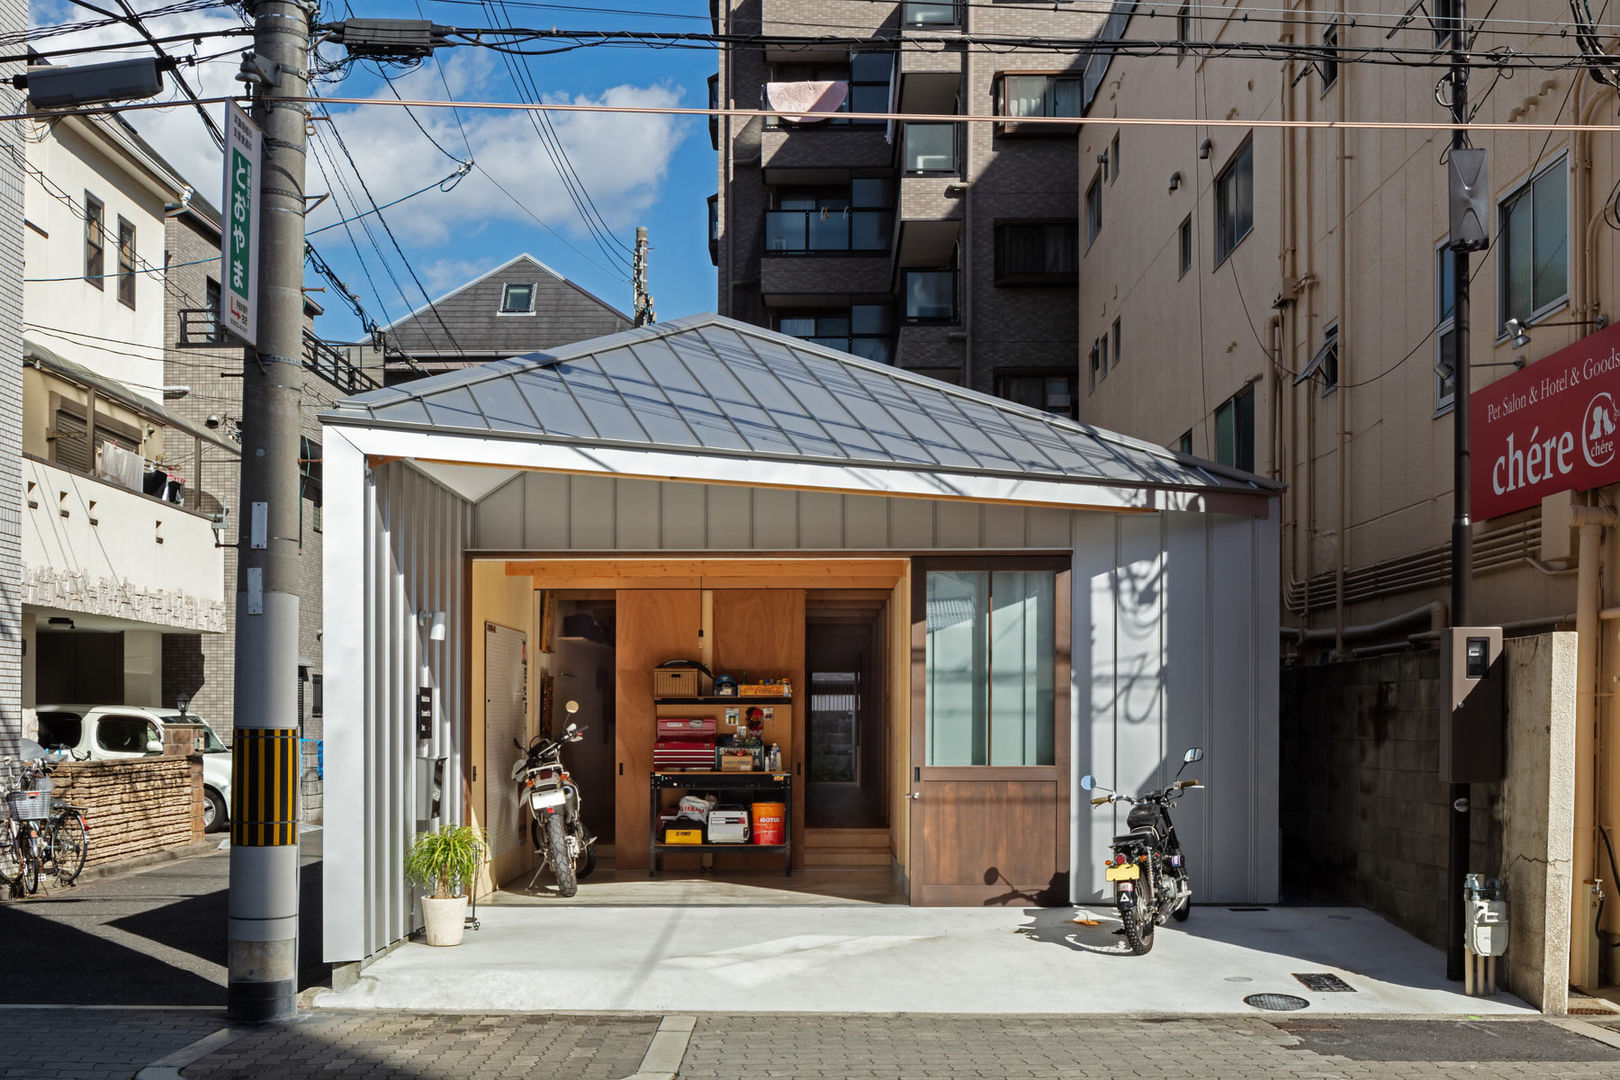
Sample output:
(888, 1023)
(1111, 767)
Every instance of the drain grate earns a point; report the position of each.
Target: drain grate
(1247, 909)
(1324, 982)
(1276, 1002)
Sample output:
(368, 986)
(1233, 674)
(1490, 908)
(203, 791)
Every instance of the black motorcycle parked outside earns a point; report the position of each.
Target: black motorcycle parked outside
(1148, 870)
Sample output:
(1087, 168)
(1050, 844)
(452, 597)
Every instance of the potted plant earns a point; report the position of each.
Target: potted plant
(446, 861)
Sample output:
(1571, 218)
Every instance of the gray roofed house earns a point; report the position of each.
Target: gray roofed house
(518, 307)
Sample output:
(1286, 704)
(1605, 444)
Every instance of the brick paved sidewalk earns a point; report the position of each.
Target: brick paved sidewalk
(81, 1044)
(846, 1047)
(54, 1043)
(414, 1046)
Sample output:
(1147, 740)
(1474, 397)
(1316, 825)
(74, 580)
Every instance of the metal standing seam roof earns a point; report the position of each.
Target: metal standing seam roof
(707, 384)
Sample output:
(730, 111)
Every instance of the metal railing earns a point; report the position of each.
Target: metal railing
(801, 231)
(200, 329)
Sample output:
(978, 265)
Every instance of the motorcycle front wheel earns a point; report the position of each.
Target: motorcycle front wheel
(561, 864)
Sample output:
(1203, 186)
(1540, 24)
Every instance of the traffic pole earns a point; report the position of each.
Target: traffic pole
(1462, 555)
(263, 909)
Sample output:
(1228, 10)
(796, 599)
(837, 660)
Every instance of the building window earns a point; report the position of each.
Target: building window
(317, 696)
(309, 469)
(126, 263)
(1184, 444)
(1040, 95)
(1234, 430)
(990, 667)
(1534, 260)
(1186, 247)
(211, 300)
(1445, 302)
(1234, 202)
(517, 299)
(1328, 66)
(930, 295)
(1093, 209)
(867, 74)
(1113, 159)
(859, 217)
(714, 229)
(95, 240)
(1184, 30)
(714, 118)
(1118, 354)
(1326, 361)
(914, 13)
(1099, 361)
(866, 330)
(1049, 393)
(928, 148)
(1035, 253)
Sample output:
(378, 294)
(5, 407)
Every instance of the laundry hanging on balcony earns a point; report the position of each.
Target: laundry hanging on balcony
(122, 467)
(806, 102)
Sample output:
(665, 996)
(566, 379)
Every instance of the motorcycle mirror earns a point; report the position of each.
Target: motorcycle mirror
(1195, 754)
(1088, 782)
(572, 707)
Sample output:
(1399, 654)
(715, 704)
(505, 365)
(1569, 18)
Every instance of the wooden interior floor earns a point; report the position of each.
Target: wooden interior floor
(830, 805)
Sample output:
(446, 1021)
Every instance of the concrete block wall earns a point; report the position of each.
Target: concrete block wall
(13, 21)
(1364, 813)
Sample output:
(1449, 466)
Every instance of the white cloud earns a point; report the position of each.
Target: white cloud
(622, 160)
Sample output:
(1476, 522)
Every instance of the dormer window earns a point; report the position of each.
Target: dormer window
(517, 299)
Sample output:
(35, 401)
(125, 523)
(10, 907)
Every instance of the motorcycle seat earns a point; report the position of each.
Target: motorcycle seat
(1149, 836)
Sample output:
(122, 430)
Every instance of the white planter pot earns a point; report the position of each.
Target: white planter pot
(443, 919)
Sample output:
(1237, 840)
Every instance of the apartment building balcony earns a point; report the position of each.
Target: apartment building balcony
(93, 547)
(815, 154)
(789, 279)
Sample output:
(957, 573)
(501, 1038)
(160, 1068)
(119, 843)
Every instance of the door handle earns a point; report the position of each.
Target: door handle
(913, 794)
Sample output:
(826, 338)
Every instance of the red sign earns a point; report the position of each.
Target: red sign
(1553, 426)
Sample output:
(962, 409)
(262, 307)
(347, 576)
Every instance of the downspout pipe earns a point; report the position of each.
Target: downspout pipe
(1589, 521)
(1434, 613)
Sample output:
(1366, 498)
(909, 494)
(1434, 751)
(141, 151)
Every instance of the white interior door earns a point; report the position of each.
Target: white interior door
(506, 710)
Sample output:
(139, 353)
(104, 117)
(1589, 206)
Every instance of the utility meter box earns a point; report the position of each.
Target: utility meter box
(1487, 927)
(1473, 714)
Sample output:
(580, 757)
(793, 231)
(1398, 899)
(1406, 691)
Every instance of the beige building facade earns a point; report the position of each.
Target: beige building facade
(1281, 299)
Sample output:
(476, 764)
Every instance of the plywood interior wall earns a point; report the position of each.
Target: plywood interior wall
(497, 598)
(651, 626)
(759, 633)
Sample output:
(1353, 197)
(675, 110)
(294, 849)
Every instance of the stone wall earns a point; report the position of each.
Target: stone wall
(1364, 813)
(134, 807)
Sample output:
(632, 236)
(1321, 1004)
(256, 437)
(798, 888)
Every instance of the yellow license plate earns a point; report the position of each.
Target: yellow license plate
(1128, 872)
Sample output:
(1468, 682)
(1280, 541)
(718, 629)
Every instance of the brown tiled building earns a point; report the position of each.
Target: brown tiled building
(945, 248)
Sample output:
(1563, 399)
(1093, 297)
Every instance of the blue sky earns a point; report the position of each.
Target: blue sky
(637, 170)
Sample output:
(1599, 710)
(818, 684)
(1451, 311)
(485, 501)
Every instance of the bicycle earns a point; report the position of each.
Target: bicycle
(43, 834)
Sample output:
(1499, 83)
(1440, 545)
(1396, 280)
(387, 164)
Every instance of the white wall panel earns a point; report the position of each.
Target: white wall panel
(956, 525)
(685, 516)
(503, 520)
(731, 517)
(911, 524)
(1093, 733)
(1003, 528)
(545, 501)
(637, 515)
(1139, 660)
(591, 505)
(1230, 767)
(821, 520)
(776, 520)
(1048, 528)
(1189, 623)
(866, 523)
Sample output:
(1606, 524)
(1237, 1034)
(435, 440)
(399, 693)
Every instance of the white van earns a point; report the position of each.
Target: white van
(108, 732)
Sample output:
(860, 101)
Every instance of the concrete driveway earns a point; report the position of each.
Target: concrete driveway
(888, 959)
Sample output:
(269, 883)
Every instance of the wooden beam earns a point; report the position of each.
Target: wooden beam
(645, 573)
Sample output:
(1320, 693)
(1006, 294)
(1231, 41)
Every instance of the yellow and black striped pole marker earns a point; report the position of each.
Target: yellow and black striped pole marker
(264, 779)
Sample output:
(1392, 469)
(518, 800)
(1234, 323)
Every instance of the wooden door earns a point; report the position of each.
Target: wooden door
(983, 831)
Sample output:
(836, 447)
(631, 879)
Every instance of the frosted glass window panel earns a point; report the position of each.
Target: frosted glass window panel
(1022, 647)
(958, 668)
(1025, 95)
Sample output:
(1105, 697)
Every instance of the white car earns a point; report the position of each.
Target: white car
(108, 732)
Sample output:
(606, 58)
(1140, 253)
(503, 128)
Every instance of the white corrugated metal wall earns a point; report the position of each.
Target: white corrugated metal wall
(394, 556)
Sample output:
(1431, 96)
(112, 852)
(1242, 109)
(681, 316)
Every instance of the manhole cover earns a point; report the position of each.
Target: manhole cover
(1324, 982)
(1276, 1002)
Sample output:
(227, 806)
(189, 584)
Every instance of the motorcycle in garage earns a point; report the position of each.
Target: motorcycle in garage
(553, 802)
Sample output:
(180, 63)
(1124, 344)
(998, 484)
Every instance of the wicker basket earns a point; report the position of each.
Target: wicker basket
(675, 682)
(29, 805)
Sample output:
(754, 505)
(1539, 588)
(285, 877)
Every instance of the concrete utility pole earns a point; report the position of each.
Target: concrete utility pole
(644, 313)
(1462, 556)
(263, 925)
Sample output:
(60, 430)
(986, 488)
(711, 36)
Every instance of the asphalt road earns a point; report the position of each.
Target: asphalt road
(156, 937)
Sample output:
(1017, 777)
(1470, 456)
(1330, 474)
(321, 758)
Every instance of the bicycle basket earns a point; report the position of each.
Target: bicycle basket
(29, 805)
